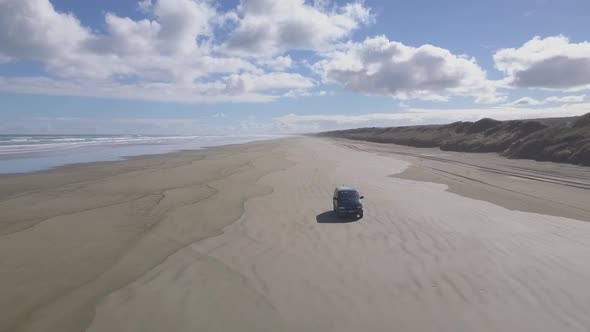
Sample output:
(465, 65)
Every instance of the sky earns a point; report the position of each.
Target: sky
(205, 67)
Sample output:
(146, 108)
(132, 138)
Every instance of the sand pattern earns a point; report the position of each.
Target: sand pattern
(243, 239)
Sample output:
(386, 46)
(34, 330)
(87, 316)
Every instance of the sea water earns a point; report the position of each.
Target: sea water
(27, 153)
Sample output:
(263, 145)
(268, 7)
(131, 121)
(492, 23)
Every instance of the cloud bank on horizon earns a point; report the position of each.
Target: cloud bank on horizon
(262, 51)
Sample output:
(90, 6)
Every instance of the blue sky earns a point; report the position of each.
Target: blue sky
(263, 66)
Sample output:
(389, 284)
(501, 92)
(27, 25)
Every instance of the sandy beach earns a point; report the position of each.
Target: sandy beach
(242, 238)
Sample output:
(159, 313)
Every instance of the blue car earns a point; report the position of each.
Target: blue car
(347, 202)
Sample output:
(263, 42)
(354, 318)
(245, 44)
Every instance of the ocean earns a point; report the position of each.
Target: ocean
(28, 153)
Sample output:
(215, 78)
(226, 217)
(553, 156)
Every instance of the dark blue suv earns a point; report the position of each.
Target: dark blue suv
(347, 202)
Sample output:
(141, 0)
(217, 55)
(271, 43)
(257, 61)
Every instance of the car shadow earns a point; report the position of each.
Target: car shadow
(329, 217)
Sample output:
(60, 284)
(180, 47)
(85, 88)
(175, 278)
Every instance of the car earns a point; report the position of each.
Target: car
(347, 202)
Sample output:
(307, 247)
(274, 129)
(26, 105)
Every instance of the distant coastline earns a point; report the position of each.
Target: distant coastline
(565, 140)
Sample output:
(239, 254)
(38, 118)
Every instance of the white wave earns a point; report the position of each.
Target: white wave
(46, 144)
(23, 139)
(71, 139)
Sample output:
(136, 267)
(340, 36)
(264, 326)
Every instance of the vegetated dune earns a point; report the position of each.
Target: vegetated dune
(556, 139)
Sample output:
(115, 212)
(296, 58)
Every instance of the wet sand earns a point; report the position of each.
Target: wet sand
(524, 185)
(242, 238)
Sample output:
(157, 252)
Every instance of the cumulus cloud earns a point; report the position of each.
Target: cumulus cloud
(277, 63)
(161, 49)
(166, 56)
(548, 63)
(378, 66)
(33, 29)
(174, 30)
(254, 83)
(272, 27)
(194, 51)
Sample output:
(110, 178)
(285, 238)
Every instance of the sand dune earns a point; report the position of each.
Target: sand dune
(242, 239)
(564, 140)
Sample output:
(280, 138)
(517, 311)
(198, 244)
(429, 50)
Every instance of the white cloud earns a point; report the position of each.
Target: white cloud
(173, 54)
(379, 66)
(528, 101)
(549, 63)
(566, 99)
(215, 92)
(271, 81)
(164, 49)
(294, 123)
(145, 5)
(167, 56)
(182, 21)
(33, 29)
(296, 93)
(277, 63)
(272, 27)
(244, 87)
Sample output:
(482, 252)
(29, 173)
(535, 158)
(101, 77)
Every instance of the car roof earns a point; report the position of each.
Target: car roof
(343, 188)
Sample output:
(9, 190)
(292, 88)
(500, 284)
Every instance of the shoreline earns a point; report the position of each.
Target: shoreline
(135, 157)
(112, 155)
(84, 167)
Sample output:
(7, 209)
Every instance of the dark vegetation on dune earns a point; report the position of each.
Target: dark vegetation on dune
(564, 140)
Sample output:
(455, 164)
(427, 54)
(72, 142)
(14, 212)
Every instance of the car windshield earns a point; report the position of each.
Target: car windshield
(348, 196)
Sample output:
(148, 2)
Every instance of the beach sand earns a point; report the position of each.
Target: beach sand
(241, 238)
